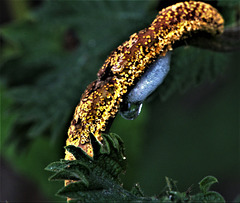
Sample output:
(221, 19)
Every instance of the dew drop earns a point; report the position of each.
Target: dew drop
(130, 111)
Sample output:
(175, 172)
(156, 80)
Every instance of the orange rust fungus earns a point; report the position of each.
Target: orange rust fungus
(101, 100)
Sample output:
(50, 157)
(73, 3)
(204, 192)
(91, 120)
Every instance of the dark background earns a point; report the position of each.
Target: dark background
(186, 133)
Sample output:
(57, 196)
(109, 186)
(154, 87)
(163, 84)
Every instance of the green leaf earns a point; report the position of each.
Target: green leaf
(171, 184)
(198, 197)
(206, 183)
(73, 174)
(78, 153)
(136, 190)
(187, 69)
(97, 178)
(212, 196)
(56, 166)
(72, 190)
(95, 195)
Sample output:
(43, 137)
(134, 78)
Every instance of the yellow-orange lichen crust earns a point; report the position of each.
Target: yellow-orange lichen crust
(123, 68)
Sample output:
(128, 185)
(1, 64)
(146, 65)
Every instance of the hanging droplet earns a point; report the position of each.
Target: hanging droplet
(130, 111)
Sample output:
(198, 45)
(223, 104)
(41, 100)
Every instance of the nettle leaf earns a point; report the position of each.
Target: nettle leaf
(73, 174)
(213, 197)
(97, 179)
(208, 197)
(171, 184)
(136, 190)
(97, 195)
(78, 153)
(57, 166)
(206, 183)
(109, 164)
(190, 66)
(74, 190)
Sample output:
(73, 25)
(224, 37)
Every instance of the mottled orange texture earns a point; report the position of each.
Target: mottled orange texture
(101, 100)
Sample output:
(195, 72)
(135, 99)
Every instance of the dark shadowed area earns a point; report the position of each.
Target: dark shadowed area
(51, 50)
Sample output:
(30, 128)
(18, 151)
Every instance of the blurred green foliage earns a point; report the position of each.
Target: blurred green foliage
(51, 55)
